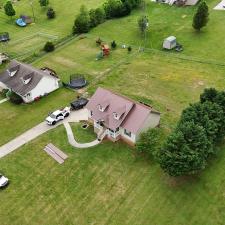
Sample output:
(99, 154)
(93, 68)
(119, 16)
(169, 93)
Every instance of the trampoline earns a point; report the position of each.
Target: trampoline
(4, 37)
(20, 22)
(76, 82)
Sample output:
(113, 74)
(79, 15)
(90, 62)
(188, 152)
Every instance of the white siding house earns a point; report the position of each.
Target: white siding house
(117, 117)
(28, 82)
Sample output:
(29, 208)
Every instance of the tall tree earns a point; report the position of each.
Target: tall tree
(143, 24)
(82, 22)
(9, 10)
(185, 150)
(201, 17)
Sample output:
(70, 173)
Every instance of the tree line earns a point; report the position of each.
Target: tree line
(86, 20)
(189, 147)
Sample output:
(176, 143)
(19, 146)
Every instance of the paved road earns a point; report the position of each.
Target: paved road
(38, 130)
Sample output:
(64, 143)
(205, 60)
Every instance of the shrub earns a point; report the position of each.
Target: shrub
(50, 13)
(113, 45)
(14, 98)
(4, 92)
(49, 47)
(43, 3)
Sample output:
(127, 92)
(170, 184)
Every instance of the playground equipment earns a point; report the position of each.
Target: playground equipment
(77, 81)
(105, 50)
(26, 19)
(20, 22)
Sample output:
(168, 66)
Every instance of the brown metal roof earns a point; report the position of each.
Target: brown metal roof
(132, 115)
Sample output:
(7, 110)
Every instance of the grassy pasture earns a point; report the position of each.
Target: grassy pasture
(109, 184)
(106, 184)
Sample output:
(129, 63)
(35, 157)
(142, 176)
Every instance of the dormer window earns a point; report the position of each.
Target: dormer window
(103, 105)
(100, 108)
(26, 81)
(12, 71)
(116, 116)
(27, 78)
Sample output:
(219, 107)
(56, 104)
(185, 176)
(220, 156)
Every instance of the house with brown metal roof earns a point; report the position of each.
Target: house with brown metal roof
(28, 82)
(118, 117)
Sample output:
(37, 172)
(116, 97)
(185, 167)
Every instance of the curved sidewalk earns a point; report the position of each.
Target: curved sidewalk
(73, 142)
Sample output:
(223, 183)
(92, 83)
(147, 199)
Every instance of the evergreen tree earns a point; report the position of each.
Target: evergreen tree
(201, 17)
(9, 10)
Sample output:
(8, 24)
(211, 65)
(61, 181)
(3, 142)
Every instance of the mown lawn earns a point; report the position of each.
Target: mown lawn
(22, 39)
(82, 135)
(16, 119)
(107, 184)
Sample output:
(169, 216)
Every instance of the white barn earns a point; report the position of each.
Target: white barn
(26, 81)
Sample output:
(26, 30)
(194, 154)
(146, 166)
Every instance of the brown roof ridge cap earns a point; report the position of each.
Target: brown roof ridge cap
(127, 98)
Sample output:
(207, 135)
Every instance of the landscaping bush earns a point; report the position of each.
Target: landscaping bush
(49, 47)
(14, 98)
(50, 13)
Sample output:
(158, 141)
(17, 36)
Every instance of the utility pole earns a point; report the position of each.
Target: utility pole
(31, 4)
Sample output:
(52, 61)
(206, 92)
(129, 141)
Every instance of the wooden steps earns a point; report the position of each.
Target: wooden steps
(55, 153)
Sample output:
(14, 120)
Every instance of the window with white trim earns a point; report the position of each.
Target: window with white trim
(128, 133)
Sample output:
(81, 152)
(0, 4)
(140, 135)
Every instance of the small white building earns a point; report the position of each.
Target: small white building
(26, 81)
(170, 42)
(118, 117)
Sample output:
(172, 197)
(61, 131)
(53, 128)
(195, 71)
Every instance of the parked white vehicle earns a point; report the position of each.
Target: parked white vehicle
(58, 115)
(3, 181)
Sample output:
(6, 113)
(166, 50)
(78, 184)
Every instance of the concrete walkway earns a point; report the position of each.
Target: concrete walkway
(38, 130)
(73, 142)
(3, 100)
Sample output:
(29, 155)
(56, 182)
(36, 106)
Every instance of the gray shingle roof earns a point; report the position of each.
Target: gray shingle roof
(24, 72)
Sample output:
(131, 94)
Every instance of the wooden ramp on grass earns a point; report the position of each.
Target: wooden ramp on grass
(55, 153)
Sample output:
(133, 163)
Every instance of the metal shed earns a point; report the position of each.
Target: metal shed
(170, 42)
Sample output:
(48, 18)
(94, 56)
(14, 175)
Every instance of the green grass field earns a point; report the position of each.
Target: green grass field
(106, 184)
(109, 183)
